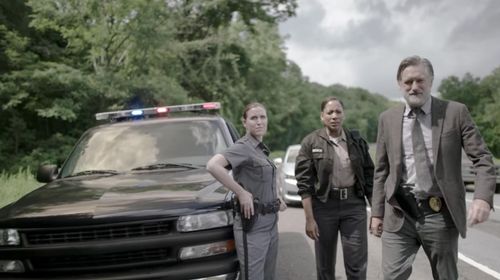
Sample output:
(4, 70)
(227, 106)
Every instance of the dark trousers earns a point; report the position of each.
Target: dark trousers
(349, 218)
(435, 233)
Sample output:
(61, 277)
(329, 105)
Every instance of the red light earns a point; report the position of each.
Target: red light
(211, 106)
(162, 110)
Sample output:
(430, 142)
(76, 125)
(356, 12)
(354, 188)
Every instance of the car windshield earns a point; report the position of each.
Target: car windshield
(146, 146)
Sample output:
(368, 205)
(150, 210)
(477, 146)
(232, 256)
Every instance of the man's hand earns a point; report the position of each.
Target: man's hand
(312, 229)
(479, 212)
(376, 226)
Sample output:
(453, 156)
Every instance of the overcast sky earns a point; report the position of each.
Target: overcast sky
(360, 43)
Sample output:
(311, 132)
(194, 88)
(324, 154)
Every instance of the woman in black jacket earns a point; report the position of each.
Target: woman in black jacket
(334, 173)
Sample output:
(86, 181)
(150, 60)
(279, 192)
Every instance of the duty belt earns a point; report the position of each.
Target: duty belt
(261, 208)
(341, 193)
(267, 208)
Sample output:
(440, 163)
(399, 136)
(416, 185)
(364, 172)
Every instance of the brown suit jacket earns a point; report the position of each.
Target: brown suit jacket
(452, 130)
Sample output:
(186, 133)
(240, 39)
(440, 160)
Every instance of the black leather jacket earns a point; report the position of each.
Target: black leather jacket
(313, 170)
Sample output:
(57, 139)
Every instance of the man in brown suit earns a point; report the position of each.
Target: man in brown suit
(419, 197)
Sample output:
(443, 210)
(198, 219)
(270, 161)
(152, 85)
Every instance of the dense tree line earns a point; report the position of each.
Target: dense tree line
(63, 61)
(482, 97)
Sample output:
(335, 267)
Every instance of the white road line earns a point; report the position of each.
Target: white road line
(494, 206)
(470, 261)
(479, 266)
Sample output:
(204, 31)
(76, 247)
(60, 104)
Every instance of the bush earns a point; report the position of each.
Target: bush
(14, 186)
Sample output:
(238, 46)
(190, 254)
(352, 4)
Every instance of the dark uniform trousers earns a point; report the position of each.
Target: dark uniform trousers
(347, 215)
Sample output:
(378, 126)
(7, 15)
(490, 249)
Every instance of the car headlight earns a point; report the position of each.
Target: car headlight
(205, 221)
(9, 237)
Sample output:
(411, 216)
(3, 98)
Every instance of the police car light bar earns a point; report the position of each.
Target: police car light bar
(157, 111)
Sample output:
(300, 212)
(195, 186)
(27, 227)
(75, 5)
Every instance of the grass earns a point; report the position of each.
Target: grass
(14, 186)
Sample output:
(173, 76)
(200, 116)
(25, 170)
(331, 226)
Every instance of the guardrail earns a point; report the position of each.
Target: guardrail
(469, 175)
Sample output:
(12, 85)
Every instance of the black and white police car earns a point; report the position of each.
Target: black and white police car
(132, 201)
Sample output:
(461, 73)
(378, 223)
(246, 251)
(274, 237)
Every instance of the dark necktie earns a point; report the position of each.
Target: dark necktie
(422, 162)
(264, 148)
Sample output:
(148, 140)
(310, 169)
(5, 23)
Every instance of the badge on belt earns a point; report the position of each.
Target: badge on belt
(435, 203)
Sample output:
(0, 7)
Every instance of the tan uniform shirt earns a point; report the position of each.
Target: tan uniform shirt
(343, 176)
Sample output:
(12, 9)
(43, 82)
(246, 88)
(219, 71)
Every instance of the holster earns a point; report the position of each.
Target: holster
(246, 224)
(408, 203)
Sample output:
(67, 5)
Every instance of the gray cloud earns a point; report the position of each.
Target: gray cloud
(358, 34)
(306, 25)
(365, 34)
(406, 6)
(484, 25)
(374, 7)
(365, 45)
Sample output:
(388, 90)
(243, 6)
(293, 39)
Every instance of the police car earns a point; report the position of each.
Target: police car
(132, 201)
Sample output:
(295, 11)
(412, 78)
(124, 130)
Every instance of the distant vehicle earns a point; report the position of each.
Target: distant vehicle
(133, 200)
(288, 186)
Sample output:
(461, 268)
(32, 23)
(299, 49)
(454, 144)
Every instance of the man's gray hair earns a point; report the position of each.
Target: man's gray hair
(413, 61)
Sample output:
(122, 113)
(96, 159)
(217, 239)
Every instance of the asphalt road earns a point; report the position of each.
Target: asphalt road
(479, 253)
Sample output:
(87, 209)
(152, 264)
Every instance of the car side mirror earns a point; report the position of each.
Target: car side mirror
(46, 173)
(278, 161)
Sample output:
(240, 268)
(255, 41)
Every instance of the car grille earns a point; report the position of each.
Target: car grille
(118, 247)
(100, 261)
(96, 233)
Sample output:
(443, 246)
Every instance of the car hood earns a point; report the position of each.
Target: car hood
(137, 194)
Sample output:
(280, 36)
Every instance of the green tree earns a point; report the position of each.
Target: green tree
(488, 111)
(63, 61)
(465, 90)
(482, 97)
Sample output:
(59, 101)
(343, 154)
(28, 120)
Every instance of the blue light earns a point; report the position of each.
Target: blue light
(136, 113)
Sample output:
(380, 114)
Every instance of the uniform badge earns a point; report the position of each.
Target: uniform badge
(435, 203)
(316, 150)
